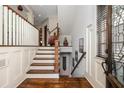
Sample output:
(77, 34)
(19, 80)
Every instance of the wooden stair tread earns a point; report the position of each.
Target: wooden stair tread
(42, 64)
(41, 72)
(36, 58)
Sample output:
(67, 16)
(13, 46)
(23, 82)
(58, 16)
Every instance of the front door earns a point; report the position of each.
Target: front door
(115, 46)
(118, 44)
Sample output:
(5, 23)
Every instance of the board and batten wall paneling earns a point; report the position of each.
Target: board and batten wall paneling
(13, 71)
(1, 24)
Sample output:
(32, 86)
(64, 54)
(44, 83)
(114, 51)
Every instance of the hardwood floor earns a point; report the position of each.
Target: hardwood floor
(63, 82)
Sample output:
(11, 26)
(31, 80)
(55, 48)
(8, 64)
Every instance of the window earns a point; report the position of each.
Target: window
(118, 42)
(101, 30)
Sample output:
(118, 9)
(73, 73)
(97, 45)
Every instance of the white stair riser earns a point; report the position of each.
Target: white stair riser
(43, 61)
(45, 51)
(46, 47)
(42, 67)
(45, 56)
(42, 75)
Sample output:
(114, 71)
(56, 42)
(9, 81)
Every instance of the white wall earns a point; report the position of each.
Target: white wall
(66, 17)
(83, 18)
(86, 15)
(14, 63)
(74, 20)
(53, 20)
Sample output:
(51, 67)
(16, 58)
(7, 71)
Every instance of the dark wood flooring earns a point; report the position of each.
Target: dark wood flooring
(63, 82)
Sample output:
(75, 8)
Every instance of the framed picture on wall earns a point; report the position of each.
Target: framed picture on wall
(76, 56)
(81, 45)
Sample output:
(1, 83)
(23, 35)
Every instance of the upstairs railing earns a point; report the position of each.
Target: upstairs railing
(15, 30)
(55, 30)
(83, 55)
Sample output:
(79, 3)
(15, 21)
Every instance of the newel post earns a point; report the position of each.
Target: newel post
(56, 64)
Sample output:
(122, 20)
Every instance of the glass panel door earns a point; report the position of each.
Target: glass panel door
(118, 42)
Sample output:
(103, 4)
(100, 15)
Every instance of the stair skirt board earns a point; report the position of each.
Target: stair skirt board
(42, 75)
(42, 67)
(45, 56)
(43, 61)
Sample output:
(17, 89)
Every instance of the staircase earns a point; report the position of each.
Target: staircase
(43, 64)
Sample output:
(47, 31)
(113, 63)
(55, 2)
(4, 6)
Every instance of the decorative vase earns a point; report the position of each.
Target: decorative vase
(65, 43)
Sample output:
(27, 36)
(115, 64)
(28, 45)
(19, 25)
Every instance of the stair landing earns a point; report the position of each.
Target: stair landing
(62, 82)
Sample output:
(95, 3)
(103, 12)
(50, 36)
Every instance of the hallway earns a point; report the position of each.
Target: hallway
(38, 44)
(62, 82)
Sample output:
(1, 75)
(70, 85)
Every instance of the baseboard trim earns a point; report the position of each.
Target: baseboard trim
(24, 77)
(89, 81)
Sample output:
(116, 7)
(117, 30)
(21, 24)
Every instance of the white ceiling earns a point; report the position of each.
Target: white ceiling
(44, 11)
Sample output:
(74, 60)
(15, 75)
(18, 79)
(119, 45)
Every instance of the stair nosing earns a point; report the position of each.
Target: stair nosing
(42, 64)
(46, 49)
(38, 58)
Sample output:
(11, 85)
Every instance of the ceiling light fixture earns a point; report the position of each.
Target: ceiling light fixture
(20, 8)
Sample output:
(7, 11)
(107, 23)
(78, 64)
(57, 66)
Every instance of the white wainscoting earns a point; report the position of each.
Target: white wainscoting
(16, 61)
(98, 79)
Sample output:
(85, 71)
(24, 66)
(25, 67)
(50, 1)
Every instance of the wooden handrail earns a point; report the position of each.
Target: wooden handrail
(53, 29)
(56, 64)
(57, 30)
(78, 62)
(57, 27)
(20, 16)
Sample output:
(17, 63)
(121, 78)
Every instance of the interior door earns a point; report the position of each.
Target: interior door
(88, 50)
(45, 35)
